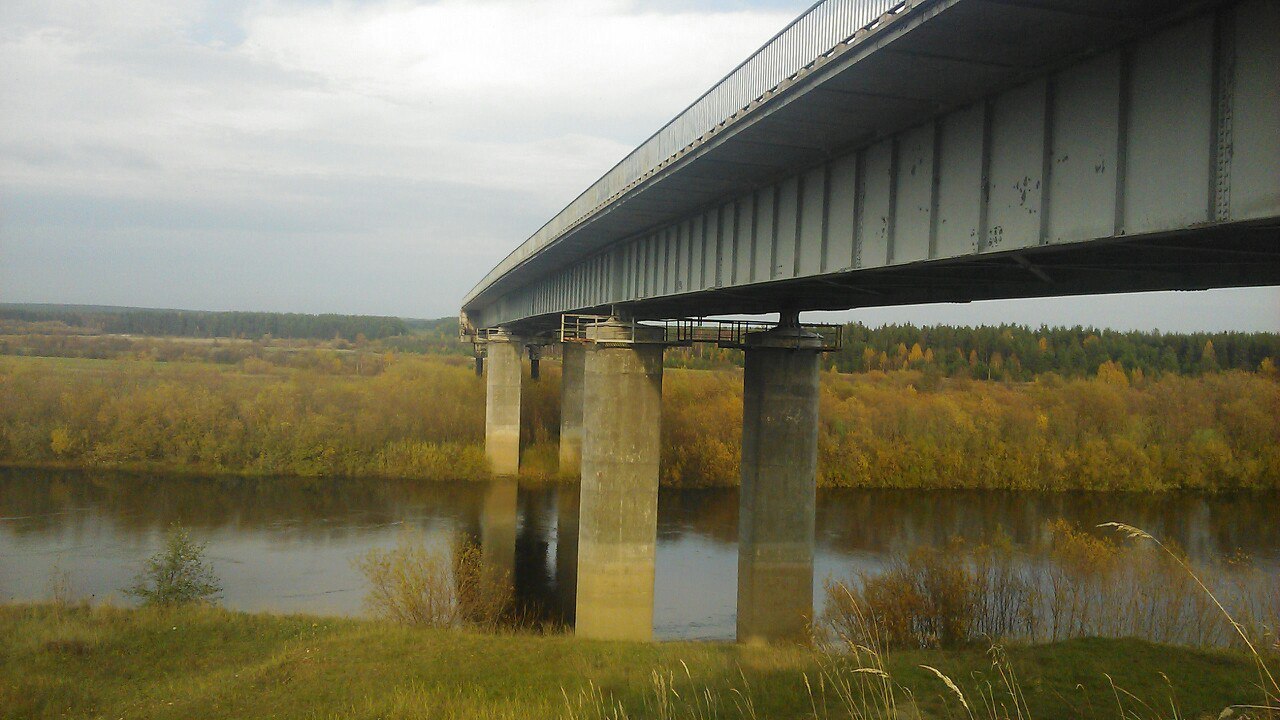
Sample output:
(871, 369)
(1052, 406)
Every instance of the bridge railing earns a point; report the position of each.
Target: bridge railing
(733, 333)
(687, 331)
(821, 29)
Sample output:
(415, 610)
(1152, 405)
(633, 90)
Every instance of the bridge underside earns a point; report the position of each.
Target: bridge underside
(1235, 255)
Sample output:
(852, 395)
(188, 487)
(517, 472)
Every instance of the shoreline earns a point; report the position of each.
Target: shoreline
(78, 661)
(534, 481)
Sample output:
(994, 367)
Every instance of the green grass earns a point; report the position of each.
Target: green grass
(210, 663)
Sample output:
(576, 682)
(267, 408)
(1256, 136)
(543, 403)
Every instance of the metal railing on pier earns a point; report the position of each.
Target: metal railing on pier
(687, 331)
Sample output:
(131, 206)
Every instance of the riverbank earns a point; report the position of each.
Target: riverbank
(58, 661)
(392, 415)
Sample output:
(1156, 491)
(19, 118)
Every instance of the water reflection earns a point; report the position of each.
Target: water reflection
(498, 528)
(289, 544)
(886, 521)
(566, 550)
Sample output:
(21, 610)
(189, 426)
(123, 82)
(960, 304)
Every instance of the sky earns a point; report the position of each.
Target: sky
(367, 156)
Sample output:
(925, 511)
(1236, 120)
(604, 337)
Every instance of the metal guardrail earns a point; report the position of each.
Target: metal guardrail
(824, 27)
(733, 333)
(573, 328)
(687, 331)
(483, 335)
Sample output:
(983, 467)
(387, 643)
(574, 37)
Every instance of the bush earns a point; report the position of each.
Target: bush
(925, 599)
(437, 461)
(417, 585)
(1080, 585)
(177, 575)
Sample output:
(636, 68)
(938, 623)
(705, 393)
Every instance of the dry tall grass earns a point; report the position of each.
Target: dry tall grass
(1082, 585)
(673, 695)
(1266, 678)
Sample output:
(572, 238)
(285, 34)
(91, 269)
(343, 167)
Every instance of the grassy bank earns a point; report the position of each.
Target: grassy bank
(209, 663)
(322, 413)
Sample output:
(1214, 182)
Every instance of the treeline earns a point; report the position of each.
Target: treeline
(1006, 352)
(438, 336)
(300, 353)
(208, 324)
(1014, 352)
(420, 416)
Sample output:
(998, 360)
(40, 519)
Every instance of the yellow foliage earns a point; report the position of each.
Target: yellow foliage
(1268, 367)
(869, 358)
(1112, 373)
(916, 355)
(423, 416)
(60, 441)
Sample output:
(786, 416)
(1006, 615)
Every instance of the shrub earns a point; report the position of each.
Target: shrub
(431, 460)
(1080, 585)
(177, 575)
(925, 599)
(417, 585)
(484, 592)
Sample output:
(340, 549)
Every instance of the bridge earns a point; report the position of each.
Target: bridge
(873, 153)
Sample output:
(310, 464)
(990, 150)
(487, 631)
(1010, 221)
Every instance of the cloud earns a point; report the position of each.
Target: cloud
(531, 97)
(396, 125)
(374, 156)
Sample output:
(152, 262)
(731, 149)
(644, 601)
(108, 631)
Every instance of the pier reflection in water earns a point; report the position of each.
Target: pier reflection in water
(288, 545)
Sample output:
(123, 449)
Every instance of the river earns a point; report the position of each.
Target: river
(289, 545)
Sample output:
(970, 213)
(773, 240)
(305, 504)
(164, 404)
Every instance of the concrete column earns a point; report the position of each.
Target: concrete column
(502, 407)
(779, 481)
(575, 357)
(618, 520)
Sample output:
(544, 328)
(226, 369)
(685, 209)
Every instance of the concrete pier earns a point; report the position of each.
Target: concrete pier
(779, 485)
(575, 358)
(618, 520)
(502, 406)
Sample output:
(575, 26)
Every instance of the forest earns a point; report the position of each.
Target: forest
(1005, 352)
(319, 411)
(901, 406)
(1014, 352)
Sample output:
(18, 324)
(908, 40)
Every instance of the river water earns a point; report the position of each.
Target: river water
(288, 545)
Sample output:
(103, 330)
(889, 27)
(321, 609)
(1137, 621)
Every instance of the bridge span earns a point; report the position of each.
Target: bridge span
(874, 152)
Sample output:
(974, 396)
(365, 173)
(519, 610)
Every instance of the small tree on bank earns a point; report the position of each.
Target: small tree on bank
(178, 574)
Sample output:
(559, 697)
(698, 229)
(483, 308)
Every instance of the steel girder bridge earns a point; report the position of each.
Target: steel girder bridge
(876, 152)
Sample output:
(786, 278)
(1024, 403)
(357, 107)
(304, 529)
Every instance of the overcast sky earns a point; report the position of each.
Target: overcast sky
(372, 156)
